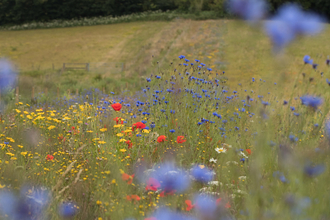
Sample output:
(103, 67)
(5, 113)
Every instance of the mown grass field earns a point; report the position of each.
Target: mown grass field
(223, 44)
(187, 142)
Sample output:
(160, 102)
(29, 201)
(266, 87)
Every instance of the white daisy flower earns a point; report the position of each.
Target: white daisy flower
(220, 150)
(212, 160)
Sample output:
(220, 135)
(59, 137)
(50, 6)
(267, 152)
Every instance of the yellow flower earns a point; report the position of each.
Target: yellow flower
(145, 131)
(113, 181)
(122, 140)
(122, 150)
(118, 126)
(89, 131)
(21, 103)
(23, 153)
(101, 142)
(103, 129)
(107, 172)
(2, 186)
(10, 154)
(18, 111)
(119, 135)
(51, 127)
(13, 158)
(98, 202)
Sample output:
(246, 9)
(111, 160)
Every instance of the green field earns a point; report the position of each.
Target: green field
(132, 50)
(178, 140)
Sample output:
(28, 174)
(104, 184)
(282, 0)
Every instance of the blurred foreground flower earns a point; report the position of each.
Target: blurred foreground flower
(290, 22)
(171, 178)
(251, 10)
(7, 76)
(30, 204)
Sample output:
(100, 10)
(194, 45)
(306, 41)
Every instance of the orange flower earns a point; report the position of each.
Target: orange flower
(249, 151)
(127, 178)
(116, 106)
(180, 139)
(161, 138)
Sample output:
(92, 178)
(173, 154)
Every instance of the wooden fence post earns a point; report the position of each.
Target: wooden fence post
(17, 94)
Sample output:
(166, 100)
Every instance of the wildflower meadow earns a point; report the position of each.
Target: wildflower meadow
(187, 144)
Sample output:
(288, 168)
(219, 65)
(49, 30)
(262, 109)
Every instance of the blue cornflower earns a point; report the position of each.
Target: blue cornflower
(6, 142)
(292, 108)
(158, 77)
(171, 178)
(186, 60)
(206, 205)
(27, 206)
(307, 60)
(209, 69)
(172, 130)
(202, 173)
(313, 171)
(285, 102)
(7, 75)
(68, 209)
(293, 138)
(138, 135)
(148, 80)
(197, 61)
(289, 22)
(280, 176)
(152, 125)
(181, 57)
(251, 10)
(296, 114)
(311, 101)
(253, 79)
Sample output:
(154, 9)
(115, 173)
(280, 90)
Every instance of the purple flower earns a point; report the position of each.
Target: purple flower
(251, 10)
(311, 101)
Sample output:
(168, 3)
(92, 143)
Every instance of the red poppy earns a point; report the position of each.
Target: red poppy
(227, 206)
(49, 157)
(129, 143)
(116, 107)
(118, 119)
(133, 197)
(138, 125)
(163, 193)
(180, 139)
(189, 205)
(161, 138)
(152, 184)
(249, 151)
(127, 178)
